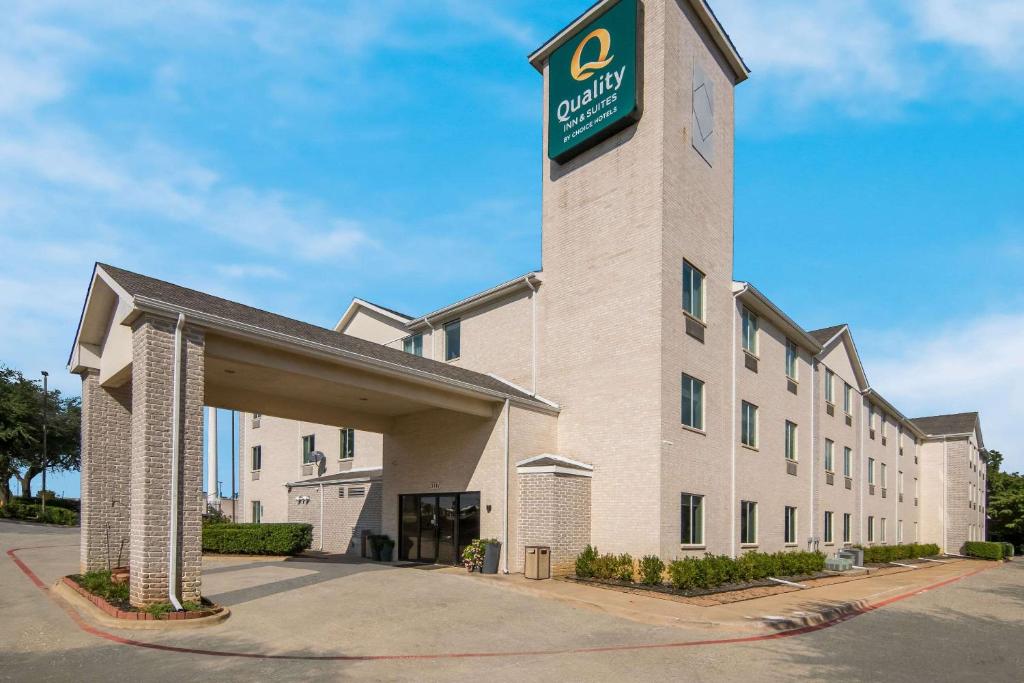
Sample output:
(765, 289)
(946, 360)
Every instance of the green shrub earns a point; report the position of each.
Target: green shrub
(984, 550)
(99, 583)
(257, 539)
(624, 567)
(1008, 550)
(714, 570)
(585, 562)
(651, 569)
(882, 554)
(52, 514)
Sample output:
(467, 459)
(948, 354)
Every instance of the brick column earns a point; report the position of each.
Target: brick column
(152, 399)
(554, 510)
(106, 470)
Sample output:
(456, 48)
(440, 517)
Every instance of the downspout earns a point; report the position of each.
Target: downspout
(172, 572)
(732, 496)
(504, 525)
(321, 517)
(863, 479)
(945, 490)
(533, 333)
(433, 343)
(813, 451)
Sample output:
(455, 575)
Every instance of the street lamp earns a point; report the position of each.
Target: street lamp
(46, 395)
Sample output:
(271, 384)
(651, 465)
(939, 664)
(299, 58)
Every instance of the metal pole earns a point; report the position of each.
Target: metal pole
(234, 494)
(46, 394)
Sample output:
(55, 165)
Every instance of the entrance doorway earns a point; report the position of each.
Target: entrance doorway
(435, 527)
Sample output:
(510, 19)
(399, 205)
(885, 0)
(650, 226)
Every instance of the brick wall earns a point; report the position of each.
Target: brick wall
(345, 517)
(106, 473)
(554, 510)
(152, 380)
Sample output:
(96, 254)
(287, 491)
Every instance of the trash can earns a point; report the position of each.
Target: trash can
(492, 553)
(538, 562)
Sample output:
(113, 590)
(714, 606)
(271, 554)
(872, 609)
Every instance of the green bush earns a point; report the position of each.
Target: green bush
(99, 583)
(984, 550)
(881, 554)
(52, 514)
(651, 569)
(257, 539)
(714, 570)
(585, 562)
(1008, 550)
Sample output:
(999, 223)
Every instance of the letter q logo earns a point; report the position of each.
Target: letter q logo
(582, 72)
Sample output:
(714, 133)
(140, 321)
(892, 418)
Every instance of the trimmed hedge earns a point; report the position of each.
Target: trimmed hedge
(1008, 550)
(651, 569)
(257, 539)
(714, 570)
(52, 515)
(984, 550)
(881, 554)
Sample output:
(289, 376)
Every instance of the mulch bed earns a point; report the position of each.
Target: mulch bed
(121, 609)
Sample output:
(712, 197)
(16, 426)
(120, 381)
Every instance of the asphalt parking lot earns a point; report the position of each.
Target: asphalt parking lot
(296, 619)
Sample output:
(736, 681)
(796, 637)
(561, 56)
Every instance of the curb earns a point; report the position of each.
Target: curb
(66, 591)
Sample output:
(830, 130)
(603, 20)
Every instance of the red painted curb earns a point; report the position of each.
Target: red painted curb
(473, 655)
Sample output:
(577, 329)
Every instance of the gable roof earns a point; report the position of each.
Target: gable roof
(700, 7)
(357, 303)
(955, 423)
(158, 296)
(825, 334)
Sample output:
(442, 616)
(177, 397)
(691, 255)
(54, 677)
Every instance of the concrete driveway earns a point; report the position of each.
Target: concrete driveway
(420, 624)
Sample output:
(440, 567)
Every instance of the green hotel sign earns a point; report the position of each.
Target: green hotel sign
(593, 82)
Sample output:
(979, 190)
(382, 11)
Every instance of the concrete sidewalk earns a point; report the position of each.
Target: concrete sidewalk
(783, 611)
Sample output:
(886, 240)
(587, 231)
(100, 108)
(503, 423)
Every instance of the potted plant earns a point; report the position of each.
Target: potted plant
(473, 556)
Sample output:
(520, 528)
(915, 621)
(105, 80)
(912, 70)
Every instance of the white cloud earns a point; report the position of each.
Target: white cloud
(974, 365)
(993, 30)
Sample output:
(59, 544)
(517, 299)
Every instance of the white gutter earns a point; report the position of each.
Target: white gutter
(504, 525)
(813, 453)
(945, 489)
(433, 341)
(533, 332)
(172, 567)
(733, 501)
(863, 471)
(321, 517)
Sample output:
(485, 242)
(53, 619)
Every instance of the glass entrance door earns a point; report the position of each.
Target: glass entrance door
(436, 527)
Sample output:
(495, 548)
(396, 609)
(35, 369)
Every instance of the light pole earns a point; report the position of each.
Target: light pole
(46, 396)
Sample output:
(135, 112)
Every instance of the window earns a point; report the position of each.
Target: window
(749, 332)
(871, 471)
(871, 418)
(871, 529)
(829, 448)
(308, 446)
(693, 402)
(693, 291)
(257, 458)
(789, 526)
(885, 478)
(847, 399)
(830, 380)
(452, 340)
(899, 531)
(348, 444)
(899, 439)
(828, 526)
(846, 527)
(882, 421)
(847, 462)
(413, 344)
(748, 522)
(917, 489)
(792, 356)
(748, 426)
(257, 512)
(917, 537)
(899, 482)
(790, 441)
(692, 521)
(881, 530)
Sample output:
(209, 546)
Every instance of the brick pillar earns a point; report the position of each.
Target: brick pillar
(106, 471)
(554, 510)
(152, 394)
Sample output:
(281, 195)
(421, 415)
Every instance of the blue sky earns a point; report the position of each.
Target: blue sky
(295, 155)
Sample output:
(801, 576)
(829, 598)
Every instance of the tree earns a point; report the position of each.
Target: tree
(21, 431)
(1005, 502)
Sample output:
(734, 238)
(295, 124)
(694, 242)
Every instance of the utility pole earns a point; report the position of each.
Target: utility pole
(46, 396)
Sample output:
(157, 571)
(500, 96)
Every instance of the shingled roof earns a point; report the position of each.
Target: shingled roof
(957, 423)
(147, 288)
(823, 335)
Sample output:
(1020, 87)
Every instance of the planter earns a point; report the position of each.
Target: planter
(386, 551)
(492, 554)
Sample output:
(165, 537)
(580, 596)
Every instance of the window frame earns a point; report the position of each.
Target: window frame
(411, 342)
(347, 437)
(871, 529)
(847, 527)
(830, 456)
(688, 282)
(792, 440)
(792, 360)
(696, 512)
(312, 448)
(828, 524)
(256, 456)
(830, 381)
(457, 325)
(749, 328)
(847, 398)
(746, 428)
(695, 397)
(256, 511)
(881, 529)
(789, 526)
(871, 471)
(748, 507)
(883, 475)
(847, 462)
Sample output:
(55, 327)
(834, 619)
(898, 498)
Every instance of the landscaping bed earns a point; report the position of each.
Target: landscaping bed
(112, 597)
